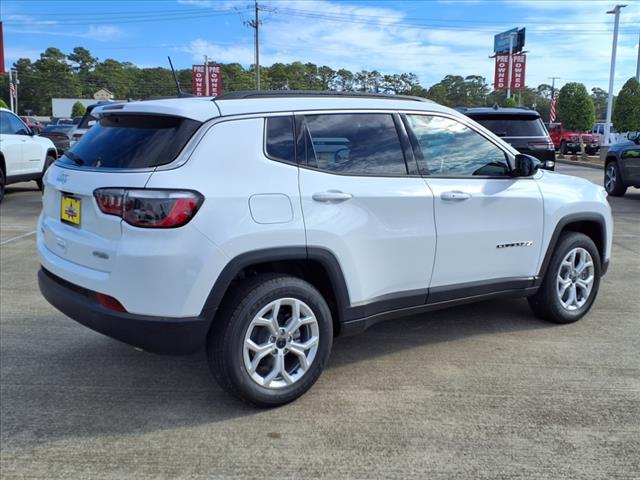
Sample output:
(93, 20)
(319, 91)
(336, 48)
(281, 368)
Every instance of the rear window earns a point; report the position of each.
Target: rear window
(132, 141)
(513, 125)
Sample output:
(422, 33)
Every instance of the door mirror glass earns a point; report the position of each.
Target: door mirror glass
(526, 165)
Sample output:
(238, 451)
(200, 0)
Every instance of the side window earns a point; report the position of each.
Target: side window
(355, 144)
(280, 144)
(12, 125)
(446, 148)
(632, 153)
(5, 124)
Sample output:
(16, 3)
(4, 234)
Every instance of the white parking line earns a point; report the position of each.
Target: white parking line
(17, 238)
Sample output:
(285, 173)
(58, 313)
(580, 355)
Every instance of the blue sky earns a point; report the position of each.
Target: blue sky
(567, 39)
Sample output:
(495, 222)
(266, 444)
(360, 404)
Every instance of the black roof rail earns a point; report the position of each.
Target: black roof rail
(244, 94)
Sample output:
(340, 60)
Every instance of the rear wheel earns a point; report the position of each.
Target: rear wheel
(2, 184)
(612, 181)
(47, 163)
(271, 339)
(571, 282)
(563, 148)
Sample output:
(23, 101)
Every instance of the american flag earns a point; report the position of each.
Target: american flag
(12, 90)
(552, 113)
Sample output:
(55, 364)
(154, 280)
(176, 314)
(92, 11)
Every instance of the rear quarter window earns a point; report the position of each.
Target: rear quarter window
(132, 141)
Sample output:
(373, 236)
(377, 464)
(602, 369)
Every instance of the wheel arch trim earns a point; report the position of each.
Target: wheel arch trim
(561, 226)
(324, 257)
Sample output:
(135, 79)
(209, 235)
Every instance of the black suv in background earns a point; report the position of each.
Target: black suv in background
(622, 167)
(520, 127)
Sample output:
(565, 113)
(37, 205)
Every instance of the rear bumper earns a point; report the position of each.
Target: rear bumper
(154, 334)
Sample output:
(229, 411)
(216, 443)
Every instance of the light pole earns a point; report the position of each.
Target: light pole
(607, 125)
(511, 35)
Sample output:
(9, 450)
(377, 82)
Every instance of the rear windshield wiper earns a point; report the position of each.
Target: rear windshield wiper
(75, 158)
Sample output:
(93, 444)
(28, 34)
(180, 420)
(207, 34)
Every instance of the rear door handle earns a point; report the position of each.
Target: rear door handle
(455, 196)
(332, 196)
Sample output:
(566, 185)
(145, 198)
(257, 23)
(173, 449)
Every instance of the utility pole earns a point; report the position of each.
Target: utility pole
(607, 125)
(255, 24)
(553, 85)
(510, 65)
(638, 62)
(11, 90)
(207, 90)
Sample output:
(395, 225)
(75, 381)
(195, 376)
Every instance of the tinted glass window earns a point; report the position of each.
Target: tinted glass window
(513, 126)
(357, 144)
(11, 125)
(280, 143)
(446, 147)
(132, 141)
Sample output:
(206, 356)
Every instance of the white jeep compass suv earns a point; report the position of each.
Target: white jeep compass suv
(23, 156)
(263, 224)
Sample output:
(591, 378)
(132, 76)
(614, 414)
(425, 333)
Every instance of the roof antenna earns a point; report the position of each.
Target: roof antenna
(175, 79)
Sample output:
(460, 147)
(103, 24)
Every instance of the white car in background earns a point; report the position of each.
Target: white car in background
(23, 156)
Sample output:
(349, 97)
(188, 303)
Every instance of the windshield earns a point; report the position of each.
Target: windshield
(513, 125)
(132, 141)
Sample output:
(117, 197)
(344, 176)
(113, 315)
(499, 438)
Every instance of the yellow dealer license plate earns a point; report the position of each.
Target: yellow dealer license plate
(70, 210)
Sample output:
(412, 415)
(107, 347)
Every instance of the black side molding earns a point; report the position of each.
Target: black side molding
(573, 218)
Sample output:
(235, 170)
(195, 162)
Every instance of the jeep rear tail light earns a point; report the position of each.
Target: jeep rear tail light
(149, 208)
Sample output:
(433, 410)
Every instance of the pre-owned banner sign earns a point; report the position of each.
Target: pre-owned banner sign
(206, 81)
(518, 68)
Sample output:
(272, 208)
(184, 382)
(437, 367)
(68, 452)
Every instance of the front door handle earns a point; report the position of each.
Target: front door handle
(455, 196)
(332, 196)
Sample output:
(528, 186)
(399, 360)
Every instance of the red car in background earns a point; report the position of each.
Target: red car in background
(33, 124)
(568, 141)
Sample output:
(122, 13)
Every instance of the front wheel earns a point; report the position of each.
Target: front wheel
(571, 282)
(271, 340)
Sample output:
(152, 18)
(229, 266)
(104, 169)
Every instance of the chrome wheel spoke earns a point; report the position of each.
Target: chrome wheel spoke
(298, 350)
(260, 351)
(278, 366)
(270, 323)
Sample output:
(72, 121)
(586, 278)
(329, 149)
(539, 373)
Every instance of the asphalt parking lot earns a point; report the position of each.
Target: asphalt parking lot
(480, 391)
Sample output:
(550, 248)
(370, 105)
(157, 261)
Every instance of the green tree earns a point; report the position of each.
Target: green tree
(78, 109)
(599, 97)
(575, 109)
(626, 111)
(2, 104)
(510, 102)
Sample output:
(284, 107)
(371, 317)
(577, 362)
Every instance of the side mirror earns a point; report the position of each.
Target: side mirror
(526, 165)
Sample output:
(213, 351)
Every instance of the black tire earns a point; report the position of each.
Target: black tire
(47, 163)
(227, 336)
(563, 148)
(615, 188)
(2, 184)
(545, 303)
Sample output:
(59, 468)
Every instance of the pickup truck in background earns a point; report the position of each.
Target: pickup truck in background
(568, 141)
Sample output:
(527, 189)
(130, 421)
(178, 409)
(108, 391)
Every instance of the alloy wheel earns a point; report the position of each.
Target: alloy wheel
(281, 343)
(610, 177)
(575, 279)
